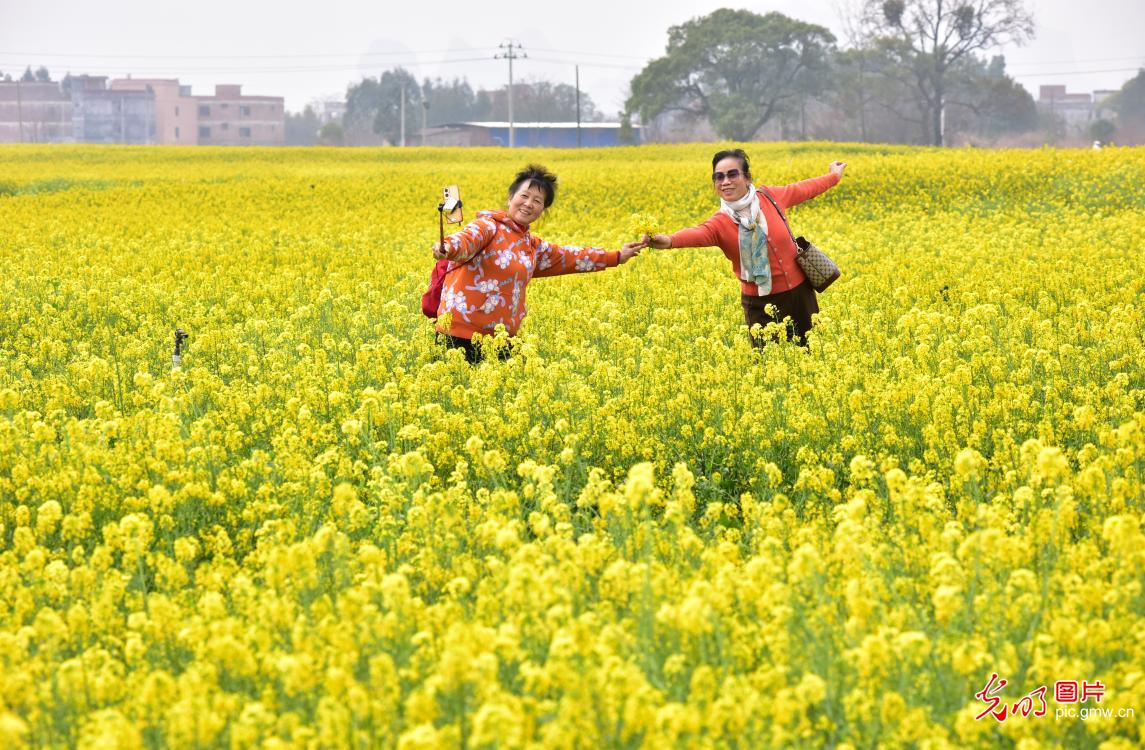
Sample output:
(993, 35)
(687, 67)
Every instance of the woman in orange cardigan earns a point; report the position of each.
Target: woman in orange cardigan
(495, 257)
(755, 239)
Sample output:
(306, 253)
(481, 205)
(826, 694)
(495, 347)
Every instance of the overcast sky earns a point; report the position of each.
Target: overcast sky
(312, 50)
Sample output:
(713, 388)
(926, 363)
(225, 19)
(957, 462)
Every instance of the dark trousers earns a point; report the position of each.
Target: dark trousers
(473, 352)
(793, 308)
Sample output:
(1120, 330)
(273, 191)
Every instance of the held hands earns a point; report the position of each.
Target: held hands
(837, 167)
(630, 250)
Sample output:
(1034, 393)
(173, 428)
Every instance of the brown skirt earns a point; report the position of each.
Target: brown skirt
(793, 307)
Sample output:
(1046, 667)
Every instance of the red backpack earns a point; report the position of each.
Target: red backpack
(431, 300)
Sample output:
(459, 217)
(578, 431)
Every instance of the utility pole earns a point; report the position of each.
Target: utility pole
(510, 54)
(403, 117)
(577, 106)
(19, 110)
(424, 117)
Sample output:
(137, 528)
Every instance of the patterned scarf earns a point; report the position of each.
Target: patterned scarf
(754, 264)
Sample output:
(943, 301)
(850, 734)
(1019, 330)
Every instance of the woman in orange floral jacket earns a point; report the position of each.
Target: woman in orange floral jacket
(495, 257)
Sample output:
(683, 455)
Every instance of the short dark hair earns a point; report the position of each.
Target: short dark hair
(536, 175)
(737, 153)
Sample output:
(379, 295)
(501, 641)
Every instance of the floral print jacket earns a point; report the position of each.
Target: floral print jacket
(492, 260)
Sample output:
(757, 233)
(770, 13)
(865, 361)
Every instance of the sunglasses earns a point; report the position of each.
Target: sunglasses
(731, 174)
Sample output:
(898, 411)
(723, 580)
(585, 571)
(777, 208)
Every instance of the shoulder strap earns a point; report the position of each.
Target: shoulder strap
(779, 211)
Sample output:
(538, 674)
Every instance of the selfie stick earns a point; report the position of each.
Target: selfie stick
(449, 203)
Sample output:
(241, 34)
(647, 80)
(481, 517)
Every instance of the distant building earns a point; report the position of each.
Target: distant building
(230, 119)
(1076, 110)
(103, 115)
(176, 116)
(330, 111)
(527, 134)
(35, 113)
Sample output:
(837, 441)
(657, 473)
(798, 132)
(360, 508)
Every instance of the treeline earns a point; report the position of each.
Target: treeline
(374, 105)
(913, 73)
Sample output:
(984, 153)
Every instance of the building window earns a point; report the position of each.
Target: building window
(244, 111)
(204, 131)
(204, 110)
(176, 132)
(176, 110)
(244, 132)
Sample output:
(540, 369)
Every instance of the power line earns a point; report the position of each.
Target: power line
(1073, 62)
(240, 57)
(593, 54)
(280, 70)
(1072, 73)
(587, 65)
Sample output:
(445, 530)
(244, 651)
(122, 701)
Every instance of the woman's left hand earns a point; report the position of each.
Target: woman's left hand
(630, 250)
(837, 167)
(438, 251)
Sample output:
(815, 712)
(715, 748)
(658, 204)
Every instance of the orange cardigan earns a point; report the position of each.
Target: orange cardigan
(496, 257)
(720, 231)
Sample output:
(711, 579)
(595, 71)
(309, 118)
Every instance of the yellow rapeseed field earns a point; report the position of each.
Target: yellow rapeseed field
(323, 532)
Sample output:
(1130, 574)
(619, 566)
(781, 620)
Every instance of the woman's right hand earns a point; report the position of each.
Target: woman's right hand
(438, 251)
(659, 241)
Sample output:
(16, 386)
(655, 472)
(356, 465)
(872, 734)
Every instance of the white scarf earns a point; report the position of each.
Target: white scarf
(754, 264)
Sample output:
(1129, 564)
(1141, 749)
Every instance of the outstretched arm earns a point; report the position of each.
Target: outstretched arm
(554, 260)
(794, 194)
(703, 235)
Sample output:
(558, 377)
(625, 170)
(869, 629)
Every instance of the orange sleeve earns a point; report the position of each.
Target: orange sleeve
(554, 260)
(463, 245)
(704, 235)
(794, 194)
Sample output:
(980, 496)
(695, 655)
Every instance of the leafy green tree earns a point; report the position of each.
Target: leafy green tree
(538, 101)
(735, 68)
(1102, 130)
(378, 102)
(331, 134)
(1129, 102)
(931, 38)
(982, 99)
(627, 135)
(452, 101)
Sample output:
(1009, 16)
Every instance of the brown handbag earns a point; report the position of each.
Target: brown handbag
(820, 270)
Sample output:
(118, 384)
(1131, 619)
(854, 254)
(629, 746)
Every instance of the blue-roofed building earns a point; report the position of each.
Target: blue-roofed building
(528, 134)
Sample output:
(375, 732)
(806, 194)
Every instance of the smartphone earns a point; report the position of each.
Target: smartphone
(451, 204)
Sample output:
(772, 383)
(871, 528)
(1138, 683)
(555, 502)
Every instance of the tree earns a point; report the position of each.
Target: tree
(1129, 102)
(984, 100)
(331, 134)
(40, 75)
(1102, 131)
(873, 96)
(452, 101)
(378, 103)
(933, 36)
(627, 135)
(735, 68)
(302, 128)
(541, 101)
